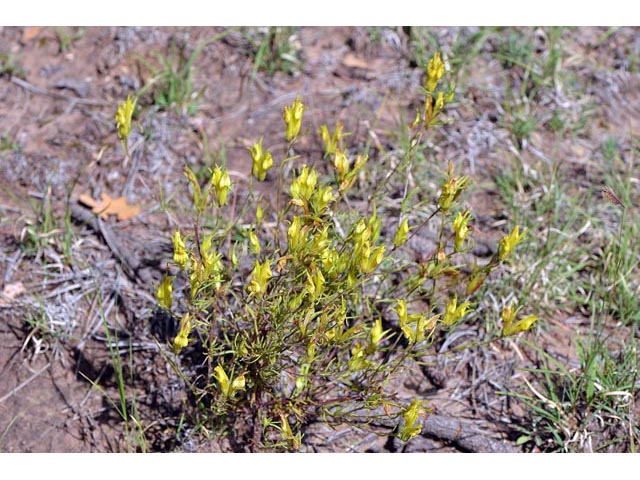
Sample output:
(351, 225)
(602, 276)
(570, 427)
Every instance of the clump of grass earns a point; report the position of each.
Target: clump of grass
(40, 231)
(274, 49)
(67, 37)
(584, 262)
(7, 143)
(620, 255)
(125, 405)
(171, 83)
(588, 408)
(10, 66)
(46, 232)
(516, 50)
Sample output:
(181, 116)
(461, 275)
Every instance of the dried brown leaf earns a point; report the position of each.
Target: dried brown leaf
(352, 61)
(110, 206)
(30, 32)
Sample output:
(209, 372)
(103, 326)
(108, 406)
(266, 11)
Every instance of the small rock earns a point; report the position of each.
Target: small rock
(50, 70)
(80, 88)
(484, 249)
(421, 444)
(131, 83)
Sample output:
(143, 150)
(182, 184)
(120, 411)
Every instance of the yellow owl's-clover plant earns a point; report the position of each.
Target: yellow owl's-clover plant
(123, 117)
(290, 304)
(512, 327)
(293, 119)
(262, 161)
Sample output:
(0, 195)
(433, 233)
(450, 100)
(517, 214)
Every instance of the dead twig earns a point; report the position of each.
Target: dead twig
(128, 261)
(60, 96)
(25, 383)
(463, 434)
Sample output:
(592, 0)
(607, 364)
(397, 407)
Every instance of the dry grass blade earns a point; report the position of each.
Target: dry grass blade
(25, 383)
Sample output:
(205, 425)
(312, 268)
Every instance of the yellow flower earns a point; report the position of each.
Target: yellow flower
(346, 174)
(331, 143)
(416, 121)
(254, 242)
(259, 277)
(331, 262)
(262, 161)
(321, 199)
(259, 214)
(509, 242)
(509, 328)
(182, 339)
(451, 189)
(302, 187)
(376, 332)
(454, 312)
(508, 314)
(315, 283)
(374, 260)
(320, 242)
(196, 274)
(521, 325)
(435, 71)
(209, 272)
(227, 387)
(180, 256)
(238, 383)
(401, 234)
(451, 94)
(375, 336)
(408, 332)
(364, 233)
(341, 164)
(123, 121)
(412, 426)
(207, 251)
(199, 200)
(361, 233)
(358, 360)
(296, 234)
(294, 441)
(460, 229)
(164, 292)
(234, 255)
(362, 255)
(212, 267)
(401, 310)
(221, 184)
(421, 322)
(375, 225)
(293, 119)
